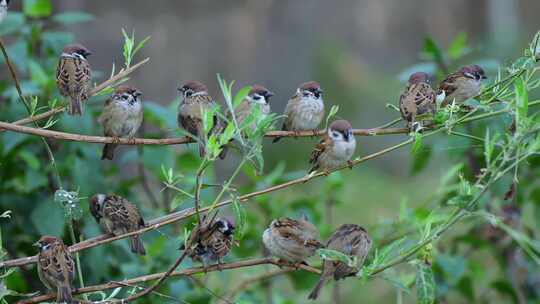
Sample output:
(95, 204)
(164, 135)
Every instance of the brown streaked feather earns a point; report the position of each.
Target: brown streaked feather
(319, 149)
(449, 84)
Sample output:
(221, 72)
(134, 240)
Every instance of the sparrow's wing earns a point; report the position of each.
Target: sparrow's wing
(448, 85)
(290, 110)
(242, 111)
(319, 149)
(424, 98)
(122, 213)
(65, 67)
(83, 76)
(57, 264)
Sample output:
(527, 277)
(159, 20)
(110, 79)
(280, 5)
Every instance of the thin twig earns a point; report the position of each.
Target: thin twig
(185, 272)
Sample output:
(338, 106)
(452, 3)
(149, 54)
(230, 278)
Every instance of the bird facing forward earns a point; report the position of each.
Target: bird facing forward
(4, 5)
(73, 76)
(417, 102)
(117, 216)
(121, 117)
(56, 267)
(462, 85)
(211, 241)
(291, 240)
(349, 239)
(305, 109)
(335, 148)
(195, 102)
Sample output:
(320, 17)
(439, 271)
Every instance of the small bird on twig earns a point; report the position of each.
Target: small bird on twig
(417, 101)
(121, 117)
(349, 239)
(117, 216)
(462, 85)
(258, 96)
(305, 109)
(335, 148)
(291, 240)
(74, 75)
(211, 241)
(195, 102)
(56, 267)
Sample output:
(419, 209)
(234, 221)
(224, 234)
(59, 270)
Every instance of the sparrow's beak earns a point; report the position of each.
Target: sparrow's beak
(181, 90)
(36, 244)
(86, 54)
(138, 93)
(269, 94)
(346, 135)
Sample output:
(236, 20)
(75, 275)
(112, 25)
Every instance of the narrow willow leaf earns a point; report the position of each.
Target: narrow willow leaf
(333, 255)
(333, 112)
(417, 145)
(522, 103)
(425, 284)
(240, 213)
(240, 96)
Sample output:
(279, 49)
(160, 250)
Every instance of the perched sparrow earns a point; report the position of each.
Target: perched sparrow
(117, 216)
(292, 240)
(4, 4)
(258, 96)
(73, 76)
(211, 241)
(462, 85)
(56, 268)
(351, 240)
(195, 102)
(121, 117)
(418, 99)
(335, 149)
(305, 110)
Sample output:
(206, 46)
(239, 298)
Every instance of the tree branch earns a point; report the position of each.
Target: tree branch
(185, 272)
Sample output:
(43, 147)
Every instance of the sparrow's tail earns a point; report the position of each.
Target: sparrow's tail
(108, 151)
(137, 245)
(317, 289)
(75, 106)
(64, 295)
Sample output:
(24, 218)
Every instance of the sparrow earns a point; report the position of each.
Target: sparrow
(195, 101)
(73, 76)
(56, 267)
(291, 240)
(121, 117)
(335, 148)
(4, 5)
(349, 239)
(305, 109)
(462, 85)
(117, 216)
(258, 96)
(418, 99)
(211, 241)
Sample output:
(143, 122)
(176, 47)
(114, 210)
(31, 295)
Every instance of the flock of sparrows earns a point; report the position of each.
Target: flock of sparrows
(288, 239)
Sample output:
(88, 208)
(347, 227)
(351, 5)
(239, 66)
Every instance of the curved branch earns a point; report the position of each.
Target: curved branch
(185, 272)
(111, 81)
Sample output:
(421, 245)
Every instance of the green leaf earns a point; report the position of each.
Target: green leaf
(417, 145)
(522, 103)
(333, 112)
(37, 73)
(458, 47)
(37, 8)
(68, 18)
(241, 215)
(12, 23)
(421, 159)
(333, 255)
(425, 284)
(432, 50)
(54, 223)
(240, 96)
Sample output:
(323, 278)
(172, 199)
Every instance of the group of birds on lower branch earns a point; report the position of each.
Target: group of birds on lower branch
(290, 240)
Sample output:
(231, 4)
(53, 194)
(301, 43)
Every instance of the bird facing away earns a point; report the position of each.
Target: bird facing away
(211, 241)
(305, 109)
(335, 148)
(56, 267)
(291, 240)
(349, 239)
(195, 102)
(462, 85)
(122, 116)
(418, 100)
(117, 216)
(74, 75)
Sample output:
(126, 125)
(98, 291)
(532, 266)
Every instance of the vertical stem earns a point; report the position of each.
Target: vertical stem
(77, 258)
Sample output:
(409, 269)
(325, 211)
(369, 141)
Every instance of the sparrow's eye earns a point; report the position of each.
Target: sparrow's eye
(286, 235)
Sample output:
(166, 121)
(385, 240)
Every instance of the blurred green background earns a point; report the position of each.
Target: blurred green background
(360, 51)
